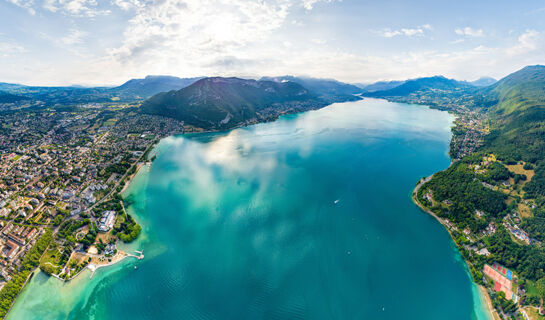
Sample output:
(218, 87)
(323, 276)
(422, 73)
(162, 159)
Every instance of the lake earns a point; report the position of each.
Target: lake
(307, 217)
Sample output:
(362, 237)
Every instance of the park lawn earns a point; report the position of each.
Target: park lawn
(109, 122)
(52, 256)
(531, 289)
(119, 220)
(533, 314)
(524, 211)
(518, 168)
(105, 237)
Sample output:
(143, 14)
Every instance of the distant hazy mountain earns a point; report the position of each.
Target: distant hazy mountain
(381, 86)
(483, 82)
(327, 89)
(132, 90)
(150, 85)
(221, 103)
(421, 85)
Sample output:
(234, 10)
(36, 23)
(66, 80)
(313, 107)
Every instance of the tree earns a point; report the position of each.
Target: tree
(48, 268)
(540, 286)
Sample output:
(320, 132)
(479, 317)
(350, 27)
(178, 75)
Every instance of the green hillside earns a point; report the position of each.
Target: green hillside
(327, 89)
(437, 84)
(222, 103)
(521, 90)
(518, 118)
(10, 98)
(502, 184)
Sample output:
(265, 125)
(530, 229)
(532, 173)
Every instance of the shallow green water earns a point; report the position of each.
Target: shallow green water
(308, 217)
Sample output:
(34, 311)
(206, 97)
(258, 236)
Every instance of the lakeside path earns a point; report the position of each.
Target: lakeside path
(482, 290)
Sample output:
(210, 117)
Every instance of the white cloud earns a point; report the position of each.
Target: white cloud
(74, 36)
(409, 32)
(469, 32)
(245, 38)
(529, 41)
(78, 8)
(319, 41)
(127, 4)
(186, 35)
(9, 48)
(309, 4)
(25, 4)
(72, 42)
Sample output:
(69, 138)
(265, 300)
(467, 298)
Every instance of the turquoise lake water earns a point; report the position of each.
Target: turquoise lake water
(307, 217)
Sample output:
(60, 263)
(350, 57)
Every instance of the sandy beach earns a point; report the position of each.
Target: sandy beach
(489, 307)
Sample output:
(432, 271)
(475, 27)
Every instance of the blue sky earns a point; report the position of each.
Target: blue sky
(93, 42)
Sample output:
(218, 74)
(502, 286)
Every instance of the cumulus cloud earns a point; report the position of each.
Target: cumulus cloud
(529, 41)
(127, 4)
(409, 32)
(469, 32)
(246, 38)
(78, 8)
(309, 4)
(196, 33)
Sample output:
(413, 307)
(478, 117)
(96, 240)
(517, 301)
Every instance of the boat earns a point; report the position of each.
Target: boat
(336, 201)
(135, 267)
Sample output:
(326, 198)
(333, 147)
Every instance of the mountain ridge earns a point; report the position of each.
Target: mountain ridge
(223, 103)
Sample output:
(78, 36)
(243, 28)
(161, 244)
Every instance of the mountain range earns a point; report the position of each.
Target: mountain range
(326, 89)
(431, 84)
(132, 90)
(150, 85)
(222, 103)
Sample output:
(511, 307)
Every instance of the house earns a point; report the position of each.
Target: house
(107, 221)
(11, 249)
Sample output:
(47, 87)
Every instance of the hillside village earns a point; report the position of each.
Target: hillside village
(475, 235)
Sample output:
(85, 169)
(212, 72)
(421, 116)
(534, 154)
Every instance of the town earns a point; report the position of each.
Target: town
(62, 172)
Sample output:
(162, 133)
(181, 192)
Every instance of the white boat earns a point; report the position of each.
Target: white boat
(336, 201)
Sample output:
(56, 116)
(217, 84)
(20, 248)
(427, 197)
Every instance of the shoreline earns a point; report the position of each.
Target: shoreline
(481, 290)
(146, 163)
(92, 267)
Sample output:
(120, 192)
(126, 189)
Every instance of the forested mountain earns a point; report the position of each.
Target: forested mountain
(150, 85)
(436, 84)
(381, 86)
(221, 103)
(518, 131)
(326, 89)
